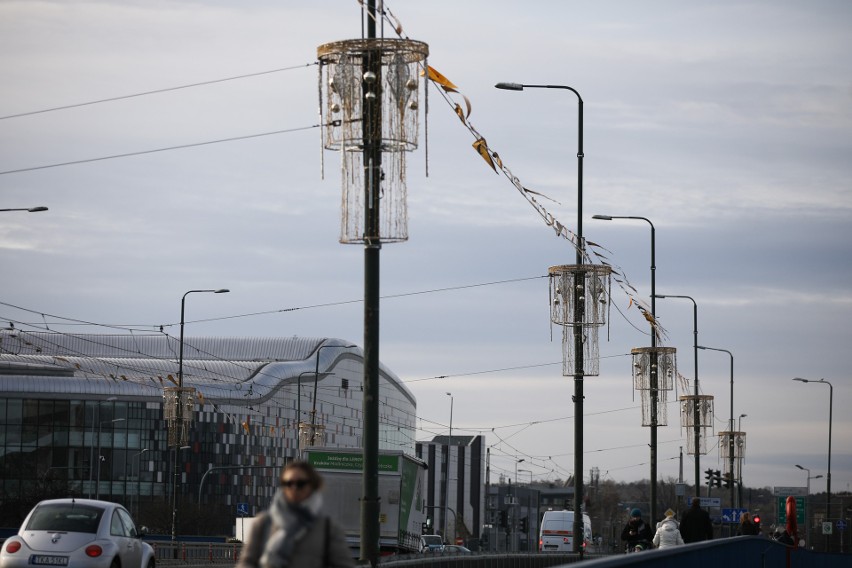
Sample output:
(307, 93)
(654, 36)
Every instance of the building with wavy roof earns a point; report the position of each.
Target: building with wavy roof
(84, 415)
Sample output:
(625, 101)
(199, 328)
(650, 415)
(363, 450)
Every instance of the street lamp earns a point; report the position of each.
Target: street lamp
(180, 435)
(808, 524)
(182, 311)
(447, 482)
(27, 209)
(515, 539)
(731, 434)
(579, 310)
(174, 499)
(100, 457)
(828, 472)
(95, 418)
(138, 473)
(654, 377)
(316, 380)
(696, 412)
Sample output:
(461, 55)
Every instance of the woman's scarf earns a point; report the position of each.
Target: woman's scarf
(290, 523)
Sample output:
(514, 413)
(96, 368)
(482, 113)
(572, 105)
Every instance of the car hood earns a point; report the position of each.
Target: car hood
(49, 542)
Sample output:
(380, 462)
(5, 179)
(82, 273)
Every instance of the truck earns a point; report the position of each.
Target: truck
(402, 511)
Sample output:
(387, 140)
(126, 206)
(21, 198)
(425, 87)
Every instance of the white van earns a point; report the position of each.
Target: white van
(557, 531)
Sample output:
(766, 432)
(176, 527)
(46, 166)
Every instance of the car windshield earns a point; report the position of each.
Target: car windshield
(65, 517)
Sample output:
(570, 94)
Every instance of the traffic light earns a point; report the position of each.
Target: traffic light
(755, 519)
(524, 525)
(708, 475)
(717, 478)
(727, 481)
(504, 519)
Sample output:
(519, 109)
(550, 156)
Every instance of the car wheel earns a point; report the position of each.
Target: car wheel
(151, 563)
(115, 563)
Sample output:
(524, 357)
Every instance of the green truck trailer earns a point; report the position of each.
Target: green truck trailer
(401, 495)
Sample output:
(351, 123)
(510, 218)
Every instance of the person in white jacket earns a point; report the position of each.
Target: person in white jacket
(668, 532)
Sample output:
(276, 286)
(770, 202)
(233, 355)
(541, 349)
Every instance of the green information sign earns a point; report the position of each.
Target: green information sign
(349, 462)
(800, 510)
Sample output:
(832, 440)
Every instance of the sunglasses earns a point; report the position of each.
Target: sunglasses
(297, 483)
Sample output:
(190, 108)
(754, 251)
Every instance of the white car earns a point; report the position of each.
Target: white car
(75, 533)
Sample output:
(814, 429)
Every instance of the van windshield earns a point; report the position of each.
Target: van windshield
(432, 539)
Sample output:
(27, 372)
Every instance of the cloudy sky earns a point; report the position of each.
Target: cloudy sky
(727, 124)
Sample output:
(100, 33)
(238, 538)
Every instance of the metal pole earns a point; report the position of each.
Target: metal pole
(827, 473)
(316, 382)
(97, 407)
(372, 129)
(179, 438)
(135, 510)
(696, 411)
(732, 425)
(654, 386)
(98, 486)
(449, 460)
(579, 313)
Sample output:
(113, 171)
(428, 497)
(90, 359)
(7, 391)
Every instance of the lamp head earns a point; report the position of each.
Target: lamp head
(221, 291)
(800, 467)
(36, 209)
(801, 380)
(602, 217)
(817, 476)
(510, 86)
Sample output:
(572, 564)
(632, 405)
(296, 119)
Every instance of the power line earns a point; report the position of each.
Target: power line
(156, 91)
(179, 147)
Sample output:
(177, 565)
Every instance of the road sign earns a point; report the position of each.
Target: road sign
(707, 502)
(732, 515)
(242, 509)
(827, 528)
(841, 525)
(782, 510)
(794, 491)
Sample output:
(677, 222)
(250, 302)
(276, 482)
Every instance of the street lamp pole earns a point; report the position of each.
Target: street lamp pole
(731, 435)
(138, 484)
(515, 507)
(100, 457)
(95, 419)
(579, 312)
(179, 438)
(654, 377)
(27, 209)
(299, 412)
(174, 499)
(447, 479)
(828, 472)
(807, 501)
(696, 414)
(316, 381)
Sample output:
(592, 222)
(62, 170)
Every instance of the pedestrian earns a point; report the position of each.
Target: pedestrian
(747, 526)
(294, 532)
(668, 532)
(636, 532)
(696, 524)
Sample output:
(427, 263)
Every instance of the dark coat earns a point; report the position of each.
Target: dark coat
(636, 531)
(748, 528)
(696, 525)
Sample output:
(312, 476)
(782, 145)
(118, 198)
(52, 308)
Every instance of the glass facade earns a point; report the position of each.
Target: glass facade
(109, 440)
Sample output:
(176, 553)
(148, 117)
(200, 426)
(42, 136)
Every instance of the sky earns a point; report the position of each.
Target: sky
(728, 125)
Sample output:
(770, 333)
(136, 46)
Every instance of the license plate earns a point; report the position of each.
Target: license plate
(42, 560)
